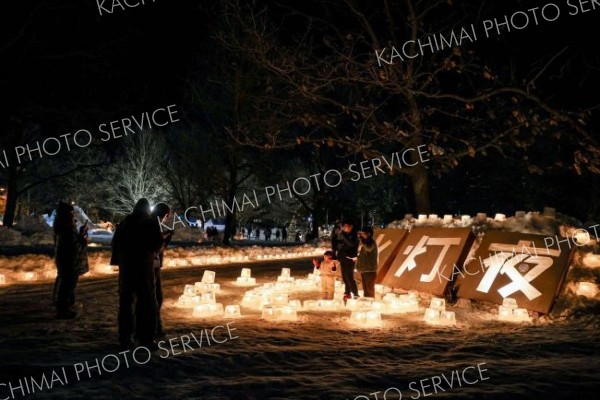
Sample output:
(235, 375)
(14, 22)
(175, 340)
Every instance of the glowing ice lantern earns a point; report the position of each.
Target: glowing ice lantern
(328, 305)
(521, 315)
(2, 279)
(351, 304)
(285, 272)
(432, 315)
(438, 304)
(505, 313)
(208, 298)
(295, 304)
(287, 313)
(309, 305)
(378, 306)
(364, 303)
(448, 218)
(510, 303)
(401, 306)
(246, 273)
(465, 218)
(422, 218)
(105, 268)
(270, 313)
(187, 301)
(29, 276)
(389, 297)
(251, 299)
(366, 319)
(587, 289)
(208, 277)
(380, 289)
(196, 260)
(500, 217)
(279, 299)
(448, 318)
(232, 311)
(207, 310)
(189, 290)
(433, 217)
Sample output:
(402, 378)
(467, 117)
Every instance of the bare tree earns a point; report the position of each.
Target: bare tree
(331, 89)
(140, 172)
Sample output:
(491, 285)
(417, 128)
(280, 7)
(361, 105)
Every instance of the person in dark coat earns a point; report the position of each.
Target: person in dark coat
(135, 243)
(71, 259)
(335, 233)
(159, 213)
(367, 261)
(346, 253)
(284, 234)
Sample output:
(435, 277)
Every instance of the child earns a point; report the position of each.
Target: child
(329, 270)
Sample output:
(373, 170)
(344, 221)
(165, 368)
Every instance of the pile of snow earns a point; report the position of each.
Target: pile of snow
(531, 222)
(32, 224)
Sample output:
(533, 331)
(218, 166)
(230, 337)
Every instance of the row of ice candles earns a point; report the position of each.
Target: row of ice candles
(464, 218)
(196, 260)
(365, 311)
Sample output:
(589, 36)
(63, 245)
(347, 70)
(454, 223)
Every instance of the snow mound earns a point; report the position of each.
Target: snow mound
(32, 224)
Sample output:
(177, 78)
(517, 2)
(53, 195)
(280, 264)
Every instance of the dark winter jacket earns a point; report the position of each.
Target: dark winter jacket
(71, 253)
(367, 259)
(136, 241)
(347, 245)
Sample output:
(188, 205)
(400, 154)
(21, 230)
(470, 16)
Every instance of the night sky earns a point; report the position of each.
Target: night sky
(67, 67)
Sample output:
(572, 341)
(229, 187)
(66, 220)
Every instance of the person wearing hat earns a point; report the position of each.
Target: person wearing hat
(366, 264)
(330, 268)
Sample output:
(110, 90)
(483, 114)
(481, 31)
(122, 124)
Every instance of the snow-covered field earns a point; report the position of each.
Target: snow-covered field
(319, 356)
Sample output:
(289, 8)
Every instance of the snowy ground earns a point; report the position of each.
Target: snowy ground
(318, 357)
(321, 356)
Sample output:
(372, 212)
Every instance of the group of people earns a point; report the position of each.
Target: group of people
(137, 248)
(344, 257)
(280, 234)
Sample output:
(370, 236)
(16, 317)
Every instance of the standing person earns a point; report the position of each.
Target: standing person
(257, 233)
(346, 251)
(367, 261)
(71, 259)
(277, 234)
(284, 234)
(160, 212)
(267, 233)
(329, 270)
(134, 245)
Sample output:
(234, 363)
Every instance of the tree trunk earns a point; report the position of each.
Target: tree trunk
(230, 217)
(12, 194)
(420, 184)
